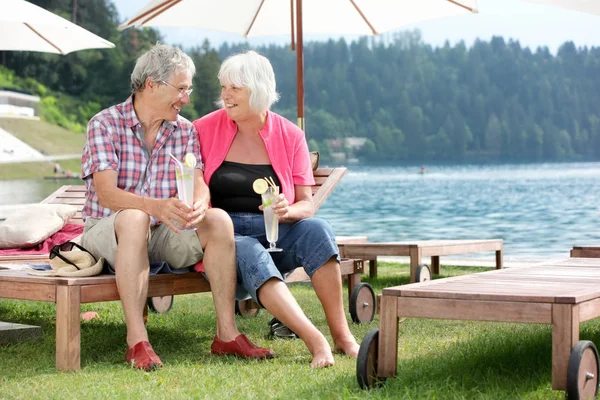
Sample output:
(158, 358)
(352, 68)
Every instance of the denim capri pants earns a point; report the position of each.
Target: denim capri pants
(308, 243)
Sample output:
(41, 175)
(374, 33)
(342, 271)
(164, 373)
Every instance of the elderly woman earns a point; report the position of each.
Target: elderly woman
(245, 141)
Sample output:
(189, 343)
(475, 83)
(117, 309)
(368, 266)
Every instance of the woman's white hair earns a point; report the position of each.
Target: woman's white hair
(253, 71)
(158, 64)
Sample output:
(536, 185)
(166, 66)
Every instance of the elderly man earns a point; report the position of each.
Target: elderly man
(131, 214)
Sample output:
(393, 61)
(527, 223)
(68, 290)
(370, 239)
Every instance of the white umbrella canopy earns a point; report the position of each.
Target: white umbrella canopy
(27, 27)
(296, 17)
(587, 6)
(274, 17)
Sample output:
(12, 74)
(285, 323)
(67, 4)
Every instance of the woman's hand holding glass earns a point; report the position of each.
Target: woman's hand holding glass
(281, 207)
(197, 214)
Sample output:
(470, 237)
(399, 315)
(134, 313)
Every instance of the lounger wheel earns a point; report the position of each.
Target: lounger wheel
(423, 273)
(160, 304)
(367, 360)
(246, 308)
(582, 372)
(363, 303)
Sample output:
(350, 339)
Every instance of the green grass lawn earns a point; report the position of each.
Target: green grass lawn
(437, 359)
(46, 138)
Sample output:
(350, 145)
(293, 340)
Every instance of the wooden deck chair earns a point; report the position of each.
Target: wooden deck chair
(69, 293)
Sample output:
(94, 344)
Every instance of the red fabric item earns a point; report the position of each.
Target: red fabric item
(68, 232)
(199, 267)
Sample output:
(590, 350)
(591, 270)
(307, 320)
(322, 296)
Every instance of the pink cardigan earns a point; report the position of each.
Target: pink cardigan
(285, 143)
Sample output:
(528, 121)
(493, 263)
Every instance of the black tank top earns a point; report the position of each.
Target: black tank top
(231, 186)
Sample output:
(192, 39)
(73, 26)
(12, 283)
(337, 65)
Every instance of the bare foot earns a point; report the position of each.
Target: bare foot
(322, 359)
(348, 347)
(321, 351)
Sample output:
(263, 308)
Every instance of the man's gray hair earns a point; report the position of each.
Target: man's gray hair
(255, 72)
(158, 64)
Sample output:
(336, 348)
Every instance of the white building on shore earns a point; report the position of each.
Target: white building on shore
(14, 104)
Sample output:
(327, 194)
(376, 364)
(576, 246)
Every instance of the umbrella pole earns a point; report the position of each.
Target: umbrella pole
(299, 65)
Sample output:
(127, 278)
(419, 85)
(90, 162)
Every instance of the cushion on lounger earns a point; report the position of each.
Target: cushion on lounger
(34, 224)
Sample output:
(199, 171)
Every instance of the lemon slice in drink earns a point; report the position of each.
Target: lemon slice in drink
(189, 160)
(260, 186)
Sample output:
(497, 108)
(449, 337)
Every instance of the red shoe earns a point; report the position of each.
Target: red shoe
(143, 357)
(241, 347)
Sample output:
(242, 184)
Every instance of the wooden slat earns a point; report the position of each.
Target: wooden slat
(54, 195)
(586, 251)
(589, 310)
(335, 176)
(72, 194)
(74, 201)
(474, 310)
(165, 285)
(351, 267)
(319, 180)
(27, 291)
(460, 248)
(324, 171)
(25, 259)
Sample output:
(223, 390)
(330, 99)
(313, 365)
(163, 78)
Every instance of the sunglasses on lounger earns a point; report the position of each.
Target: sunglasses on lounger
(67, 246)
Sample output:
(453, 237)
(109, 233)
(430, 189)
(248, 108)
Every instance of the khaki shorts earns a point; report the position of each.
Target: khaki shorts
(179, 250)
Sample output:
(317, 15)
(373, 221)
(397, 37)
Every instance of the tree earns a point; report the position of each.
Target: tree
(493, 135)
(207, 88)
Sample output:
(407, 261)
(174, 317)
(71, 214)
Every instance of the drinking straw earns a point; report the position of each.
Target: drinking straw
(176, 161)
(270, 181)
(178, 165)
(275, 220)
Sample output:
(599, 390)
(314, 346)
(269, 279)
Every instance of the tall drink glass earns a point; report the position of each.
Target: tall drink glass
(185, 187)
(271, 221)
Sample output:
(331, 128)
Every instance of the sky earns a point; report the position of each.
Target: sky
(533, 25)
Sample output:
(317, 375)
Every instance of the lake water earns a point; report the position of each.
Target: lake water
(540, 210)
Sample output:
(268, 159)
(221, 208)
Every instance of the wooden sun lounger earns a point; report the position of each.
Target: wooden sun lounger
(563, 294)
(585, 251)
(70, 293)
(416, 250)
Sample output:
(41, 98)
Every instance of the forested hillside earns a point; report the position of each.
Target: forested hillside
(494, 101)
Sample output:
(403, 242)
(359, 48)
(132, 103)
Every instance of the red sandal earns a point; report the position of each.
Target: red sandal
(241, 347)
(143, 357)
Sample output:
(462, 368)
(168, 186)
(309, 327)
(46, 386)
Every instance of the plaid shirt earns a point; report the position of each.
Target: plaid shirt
(115, 141)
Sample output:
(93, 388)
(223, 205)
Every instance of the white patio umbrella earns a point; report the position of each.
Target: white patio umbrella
(587, 6)
(27, 27)
(295, 17)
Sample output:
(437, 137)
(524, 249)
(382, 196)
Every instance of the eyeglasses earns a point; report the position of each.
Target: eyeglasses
(182, 92)
(67, 246)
